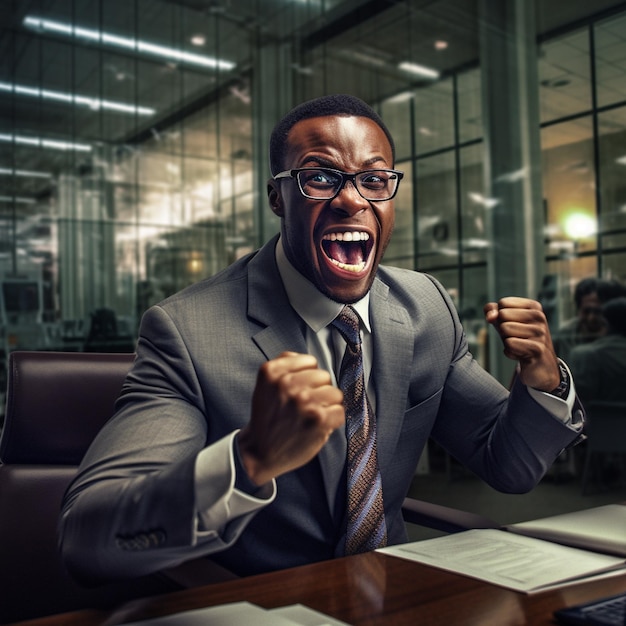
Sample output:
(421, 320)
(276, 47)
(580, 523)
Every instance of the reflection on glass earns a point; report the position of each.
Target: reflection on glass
(470, 105)
(396, 112)
(401, 249)
(105, 210)
(437, 243)
(565, 76)
(612, 151)
(610, 52)
(569, 188)
(434, 117)
(566, 273)
(472, 299)
(473, 206)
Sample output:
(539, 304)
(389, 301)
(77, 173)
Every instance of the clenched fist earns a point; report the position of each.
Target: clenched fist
(524, 331)
(295, 408)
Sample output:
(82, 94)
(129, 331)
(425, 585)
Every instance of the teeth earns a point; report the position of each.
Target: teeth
(349, 268)
(353, 236)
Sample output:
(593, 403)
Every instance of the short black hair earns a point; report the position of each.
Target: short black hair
(585, 287)
(336, 104)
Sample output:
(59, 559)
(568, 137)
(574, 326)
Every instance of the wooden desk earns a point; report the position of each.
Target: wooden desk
(366, 589)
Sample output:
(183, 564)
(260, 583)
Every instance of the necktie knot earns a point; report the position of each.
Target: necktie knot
(347, 323)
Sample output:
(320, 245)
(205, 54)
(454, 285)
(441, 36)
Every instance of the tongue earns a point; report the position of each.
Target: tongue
(348, 253)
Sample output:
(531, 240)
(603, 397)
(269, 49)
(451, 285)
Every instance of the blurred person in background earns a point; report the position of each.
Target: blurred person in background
(589, 324)
(599, 367)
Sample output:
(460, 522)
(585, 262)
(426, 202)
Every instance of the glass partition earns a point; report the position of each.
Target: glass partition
(133, 144)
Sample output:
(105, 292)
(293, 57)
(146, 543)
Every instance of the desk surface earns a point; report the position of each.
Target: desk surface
(366, 589)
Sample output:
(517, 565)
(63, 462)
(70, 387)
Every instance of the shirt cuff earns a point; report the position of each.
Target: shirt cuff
(218, 501)
(561, 408)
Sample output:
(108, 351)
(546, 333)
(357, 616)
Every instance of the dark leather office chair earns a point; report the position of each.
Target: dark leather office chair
(56, 404)
(606, 436)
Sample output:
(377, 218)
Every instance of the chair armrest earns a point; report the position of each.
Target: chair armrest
(443, 518)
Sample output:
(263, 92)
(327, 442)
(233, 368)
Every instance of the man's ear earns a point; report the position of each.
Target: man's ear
(275, 198)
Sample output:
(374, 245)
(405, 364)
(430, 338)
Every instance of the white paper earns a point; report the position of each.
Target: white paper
(506, 559)
(244, 614)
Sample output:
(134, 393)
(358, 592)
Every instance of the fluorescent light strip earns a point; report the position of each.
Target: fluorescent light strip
(17, 199)
(418, 70)
(24, 173)
(38, 142)
(136, 45)
(94, 104)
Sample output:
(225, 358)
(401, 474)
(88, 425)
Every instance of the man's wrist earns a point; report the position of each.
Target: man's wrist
(562, 389)
(243, 481)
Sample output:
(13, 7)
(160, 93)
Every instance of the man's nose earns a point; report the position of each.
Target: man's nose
(349, 200)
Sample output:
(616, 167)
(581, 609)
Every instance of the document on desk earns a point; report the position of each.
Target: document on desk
(238, 613)
(509, 560)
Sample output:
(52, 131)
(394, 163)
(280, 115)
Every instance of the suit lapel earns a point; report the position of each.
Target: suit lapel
(392, 364)
(279, 328)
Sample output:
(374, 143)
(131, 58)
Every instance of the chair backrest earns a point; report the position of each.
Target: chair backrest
(56, 404)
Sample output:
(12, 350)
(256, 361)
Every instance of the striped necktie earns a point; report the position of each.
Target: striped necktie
(366, 528)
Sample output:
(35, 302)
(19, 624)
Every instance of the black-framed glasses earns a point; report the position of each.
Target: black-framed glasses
(323, 183)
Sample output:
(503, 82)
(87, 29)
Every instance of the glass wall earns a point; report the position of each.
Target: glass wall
(583, 93)
(125, 164)
(133, 146)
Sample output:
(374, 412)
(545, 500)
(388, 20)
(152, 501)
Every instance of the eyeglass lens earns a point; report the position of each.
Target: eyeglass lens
(325, 184)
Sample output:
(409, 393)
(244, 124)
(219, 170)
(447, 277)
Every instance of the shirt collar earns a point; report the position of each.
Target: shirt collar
(316, 309)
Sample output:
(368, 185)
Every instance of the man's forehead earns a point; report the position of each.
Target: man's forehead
(330, 129)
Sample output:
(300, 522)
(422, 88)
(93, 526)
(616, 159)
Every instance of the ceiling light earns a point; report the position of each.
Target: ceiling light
(418, 70)
(198, 40)
(24, 173)
(128, 43)
(403, 96)
(479, 198)
(95, 104)
(38, 142)
(366, 58)
(555, 83)
(440, 44)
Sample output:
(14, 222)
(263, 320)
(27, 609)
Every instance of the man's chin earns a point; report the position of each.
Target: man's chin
(347, 291)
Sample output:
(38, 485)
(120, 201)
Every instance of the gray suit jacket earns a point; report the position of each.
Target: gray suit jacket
(131, 508)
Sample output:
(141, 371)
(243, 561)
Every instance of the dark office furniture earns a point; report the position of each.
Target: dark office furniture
(56, 404)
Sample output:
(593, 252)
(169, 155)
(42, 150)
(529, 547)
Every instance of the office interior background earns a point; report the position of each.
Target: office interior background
(134, 135)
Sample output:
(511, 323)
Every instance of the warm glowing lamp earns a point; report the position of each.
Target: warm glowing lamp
(579, 225)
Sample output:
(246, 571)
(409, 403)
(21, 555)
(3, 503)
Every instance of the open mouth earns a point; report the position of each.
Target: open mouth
(349, 251)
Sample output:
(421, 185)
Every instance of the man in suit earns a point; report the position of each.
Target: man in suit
(228, 438)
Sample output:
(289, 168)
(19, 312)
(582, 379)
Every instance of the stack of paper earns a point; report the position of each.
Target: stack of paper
(526, 563)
